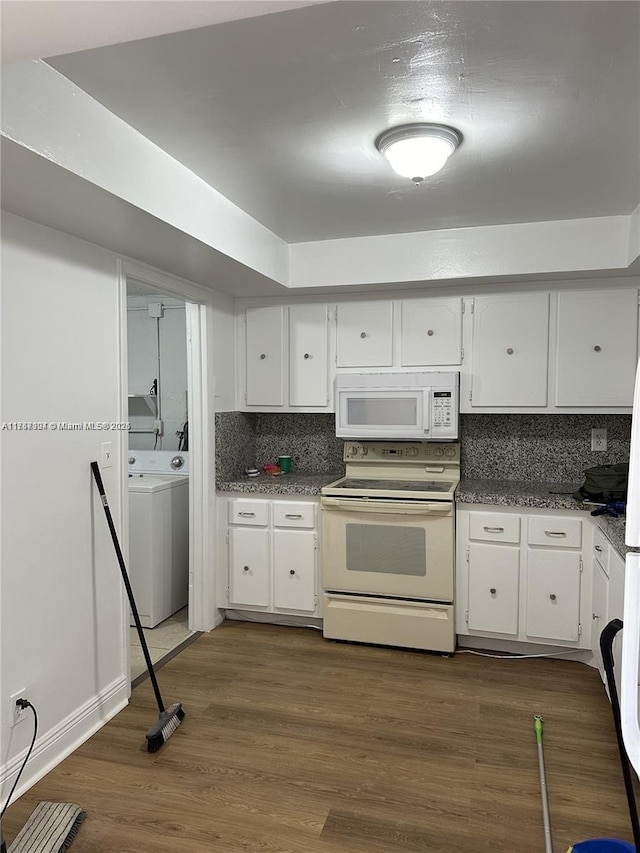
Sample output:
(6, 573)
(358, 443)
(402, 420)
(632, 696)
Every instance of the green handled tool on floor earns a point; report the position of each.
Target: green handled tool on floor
(538, 724)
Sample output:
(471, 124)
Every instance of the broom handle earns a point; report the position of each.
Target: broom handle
(607, 637)
(125, 577)
(548, 844)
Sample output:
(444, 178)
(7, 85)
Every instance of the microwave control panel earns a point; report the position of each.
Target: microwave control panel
(443, 421)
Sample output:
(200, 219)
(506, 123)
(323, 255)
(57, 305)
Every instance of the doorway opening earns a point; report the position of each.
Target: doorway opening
(158, 472)
(167, 497)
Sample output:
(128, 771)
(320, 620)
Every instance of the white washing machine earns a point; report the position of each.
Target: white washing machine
(159, 532)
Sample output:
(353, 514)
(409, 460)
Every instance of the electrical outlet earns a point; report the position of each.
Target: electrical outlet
(598, 439)
(17, 714)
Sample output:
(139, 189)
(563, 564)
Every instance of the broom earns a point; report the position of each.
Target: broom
(171, 717)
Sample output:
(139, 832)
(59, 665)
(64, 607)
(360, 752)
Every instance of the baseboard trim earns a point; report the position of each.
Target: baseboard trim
(60, 741)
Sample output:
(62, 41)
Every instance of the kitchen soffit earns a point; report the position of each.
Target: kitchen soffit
(279, 113)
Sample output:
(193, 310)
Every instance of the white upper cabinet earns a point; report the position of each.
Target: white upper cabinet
(364, 334)
(308, 355)
(264, 356)
(430, 332)
(286, 358)
(510, 350)
(596, 347)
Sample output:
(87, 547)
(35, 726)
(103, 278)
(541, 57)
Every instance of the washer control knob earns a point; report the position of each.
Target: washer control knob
(177, 463)
(132, 460)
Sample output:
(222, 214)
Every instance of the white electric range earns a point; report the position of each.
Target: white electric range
(388, 545)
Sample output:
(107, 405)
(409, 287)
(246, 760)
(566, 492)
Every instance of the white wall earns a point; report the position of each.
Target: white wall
(61, 593)
(223, 347)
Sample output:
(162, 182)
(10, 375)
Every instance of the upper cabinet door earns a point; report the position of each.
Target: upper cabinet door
(265, 356)
(597, 347)
(510, 350)
(365, 334)
(431, 332)
(308, 355)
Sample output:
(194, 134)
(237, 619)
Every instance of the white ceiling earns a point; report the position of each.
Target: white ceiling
(280, 112)
(37, 28)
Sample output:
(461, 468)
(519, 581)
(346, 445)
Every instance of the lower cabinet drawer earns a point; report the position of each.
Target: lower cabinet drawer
(289, 514)
(555, 532)
(383, 621)
(494, 527)
(249, 512)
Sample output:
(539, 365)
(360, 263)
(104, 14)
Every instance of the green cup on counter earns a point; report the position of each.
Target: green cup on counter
(284, 464)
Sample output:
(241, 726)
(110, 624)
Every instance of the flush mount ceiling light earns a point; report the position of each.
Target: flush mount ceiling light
(417, 151)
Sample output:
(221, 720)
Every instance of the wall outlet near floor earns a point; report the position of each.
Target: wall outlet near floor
(17, 714)
(598, 439)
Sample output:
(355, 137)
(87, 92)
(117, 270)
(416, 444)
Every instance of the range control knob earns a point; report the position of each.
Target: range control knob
(353, 450)
(413, 451)
(438, 452)
(450, 451)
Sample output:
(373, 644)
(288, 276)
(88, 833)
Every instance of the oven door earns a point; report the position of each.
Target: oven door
(397, 548)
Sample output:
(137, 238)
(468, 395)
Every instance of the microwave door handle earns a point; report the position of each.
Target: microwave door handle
(440, 508)
(426, 414)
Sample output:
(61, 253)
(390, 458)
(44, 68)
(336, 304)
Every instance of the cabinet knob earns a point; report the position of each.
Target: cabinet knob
(306, 355)
(509, 350)
(363, 334)
(553, 597)
(493, 590)
(597, 348)
(594, 616)
(262, 356)
(292, 571)
(430, 333)
(245, 568)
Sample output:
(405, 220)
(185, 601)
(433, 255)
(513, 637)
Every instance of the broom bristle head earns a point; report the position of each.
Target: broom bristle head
(167, 723)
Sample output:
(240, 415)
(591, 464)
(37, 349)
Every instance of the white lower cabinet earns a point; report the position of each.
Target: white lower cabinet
(519, 576)
(553, 595)
(249, 567)
(608, 599)
(494, 579)
(272, 555)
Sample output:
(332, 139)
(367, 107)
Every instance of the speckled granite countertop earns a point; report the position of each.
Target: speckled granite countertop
(538, 495)
(513, 493)
(285, 484)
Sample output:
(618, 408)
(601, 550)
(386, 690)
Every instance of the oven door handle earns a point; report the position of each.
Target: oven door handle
(440, 508)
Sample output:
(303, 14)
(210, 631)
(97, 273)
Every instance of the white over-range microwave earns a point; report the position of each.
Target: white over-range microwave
(398, 406)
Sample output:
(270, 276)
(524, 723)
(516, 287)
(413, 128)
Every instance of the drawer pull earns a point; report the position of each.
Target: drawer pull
(245, 568)
(553, 597)
(555, 533)
(292, 571)
(293, 515)
(493, 590)
(598, 548)
(493, 529)
(247, 514)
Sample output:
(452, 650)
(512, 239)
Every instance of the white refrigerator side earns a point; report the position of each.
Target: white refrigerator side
(631, 615)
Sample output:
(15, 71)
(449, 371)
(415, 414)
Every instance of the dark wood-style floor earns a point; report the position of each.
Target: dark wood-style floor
(294, 743)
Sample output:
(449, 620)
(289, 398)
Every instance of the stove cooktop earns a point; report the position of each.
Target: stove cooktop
(364, 483)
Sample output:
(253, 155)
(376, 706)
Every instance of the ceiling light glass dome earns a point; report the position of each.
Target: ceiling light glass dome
(417, 151)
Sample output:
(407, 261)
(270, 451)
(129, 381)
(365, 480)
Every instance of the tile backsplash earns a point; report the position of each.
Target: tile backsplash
(555, 448)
